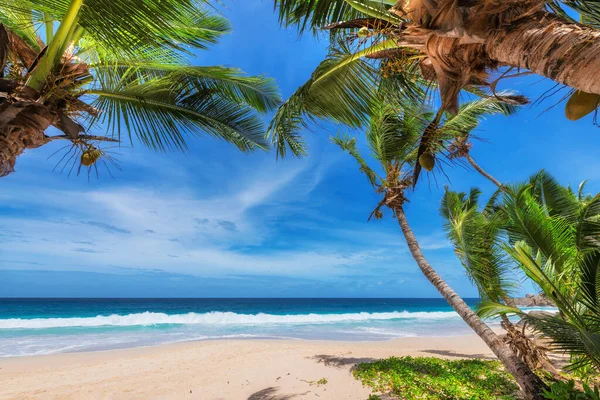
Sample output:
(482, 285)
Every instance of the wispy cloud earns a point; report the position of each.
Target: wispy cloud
(106, 227)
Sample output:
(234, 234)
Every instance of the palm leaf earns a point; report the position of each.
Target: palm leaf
(348, 144)
(313, 14)
(161, 115)
(259, 92)
(125, 26)
(21, 21)
(472, 113)
(491, 309)
(394, 131)
(341, 88)
(476, 244)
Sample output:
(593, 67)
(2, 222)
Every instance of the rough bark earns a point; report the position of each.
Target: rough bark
(527, 380)
(567, 53)
(22, 126)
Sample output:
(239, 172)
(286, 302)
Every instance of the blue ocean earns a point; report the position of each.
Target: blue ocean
(44, 326)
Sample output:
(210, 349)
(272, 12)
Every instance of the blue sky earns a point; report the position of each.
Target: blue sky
(217, 223)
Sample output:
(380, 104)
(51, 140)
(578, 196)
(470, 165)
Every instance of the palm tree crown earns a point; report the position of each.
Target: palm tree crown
(448, 44)
(118, 68)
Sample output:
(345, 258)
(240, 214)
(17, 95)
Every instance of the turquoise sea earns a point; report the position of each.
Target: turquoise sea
(44, 326)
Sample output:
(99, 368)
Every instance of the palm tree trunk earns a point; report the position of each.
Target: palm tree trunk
(22, 126)
(482, 171)
(567, 53)
(527, 380)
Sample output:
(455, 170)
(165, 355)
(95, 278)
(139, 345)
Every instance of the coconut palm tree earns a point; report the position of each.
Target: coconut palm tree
(123, 69)
(476, 237)
(457, 43)
(393, 137)
(551, 234)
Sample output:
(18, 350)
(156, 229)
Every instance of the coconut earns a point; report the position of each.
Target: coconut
(363, 32)
(581, 104)
(90, 156)
(427, 161)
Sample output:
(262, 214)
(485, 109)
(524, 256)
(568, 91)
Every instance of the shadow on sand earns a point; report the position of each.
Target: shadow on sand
(270, 393)
(447, 353)
(340, 362)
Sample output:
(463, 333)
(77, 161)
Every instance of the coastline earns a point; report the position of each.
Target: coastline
(218, 369)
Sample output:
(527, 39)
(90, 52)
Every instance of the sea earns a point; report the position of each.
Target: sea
(45, 326)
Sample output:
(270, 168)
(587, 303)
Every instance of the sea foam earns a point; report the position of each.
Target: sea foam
(214, 318)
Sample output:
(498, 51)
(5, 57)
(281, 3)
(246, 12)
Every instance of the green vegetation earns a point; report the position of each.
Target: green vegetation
(322, 381)
(408, 41)
(567, 391)
(115, 67)
(432, 378)
(549, 233)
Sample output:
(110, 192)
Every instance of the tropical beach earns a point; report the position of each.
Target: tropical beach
(224, 369)
(362, 199)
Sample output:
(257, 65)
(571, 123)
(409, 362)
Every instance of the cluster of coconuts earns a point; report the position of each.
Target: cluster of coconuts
(581, 104)
(90, 156)
(427, 161)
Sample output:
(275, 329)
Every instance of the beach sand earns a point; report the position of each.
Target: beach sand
(243, 369)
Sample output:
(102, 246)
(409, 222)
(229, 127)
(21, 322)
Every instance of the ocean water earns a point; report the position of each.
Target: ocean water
(44, 326)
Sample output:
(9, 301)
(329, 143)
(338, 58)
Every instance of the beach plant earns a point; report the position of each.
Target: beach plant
(125, 70)
(548, 232)
(568, 391)
(412, 378)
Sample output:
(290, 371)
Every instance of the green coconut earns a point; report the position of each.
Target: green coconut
(427, 161)
(90, 156)
(581, 104)
(363, 32)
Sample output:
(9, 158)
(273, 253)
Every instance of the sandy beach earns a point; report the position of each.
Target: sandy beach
(214, 370)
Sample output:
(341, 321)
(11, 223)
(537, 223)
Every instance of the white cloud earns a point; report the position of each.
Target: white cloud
(175, 229)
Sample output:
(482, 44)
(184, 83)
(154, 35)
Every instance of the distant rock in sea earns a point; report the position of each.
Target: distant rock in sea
(534, 300)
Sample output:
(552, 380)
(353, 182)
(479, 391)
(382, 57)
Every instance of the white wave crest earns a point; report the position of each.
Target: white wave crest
(212, 318)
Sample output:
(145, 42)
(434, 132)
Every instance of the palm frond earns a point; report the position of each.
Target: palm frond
(472, 113)
(342, 89)
(348, 144)
(588, 10)
(530, 222)
(128, 27)
(21, 21)
(557, 200)
(161, 113)
(259, 92)
(587, 234)
(394, 131)
(491, 309)
(314, 14)
(476, 244)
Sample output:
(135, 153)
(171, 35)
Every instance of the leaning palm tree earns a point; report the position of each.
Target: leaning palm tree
(393, 137)
(121, 68)
(458, 43)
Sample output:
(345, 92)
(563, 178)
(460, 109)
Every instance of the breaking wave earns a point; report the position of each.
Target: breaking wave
(214, 318)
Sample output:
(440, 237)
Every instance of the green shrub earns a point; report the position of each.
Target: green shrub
(436, 379)
(567, 391)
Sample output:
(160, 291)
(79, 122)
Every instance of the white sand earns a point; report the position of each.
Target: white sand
(254, 370)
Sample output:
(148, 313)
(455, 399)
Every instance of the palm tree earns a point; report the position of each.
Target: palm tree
(457, 43)
(393, 138)
(476, 237)
(551, 234)
(122, 67)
